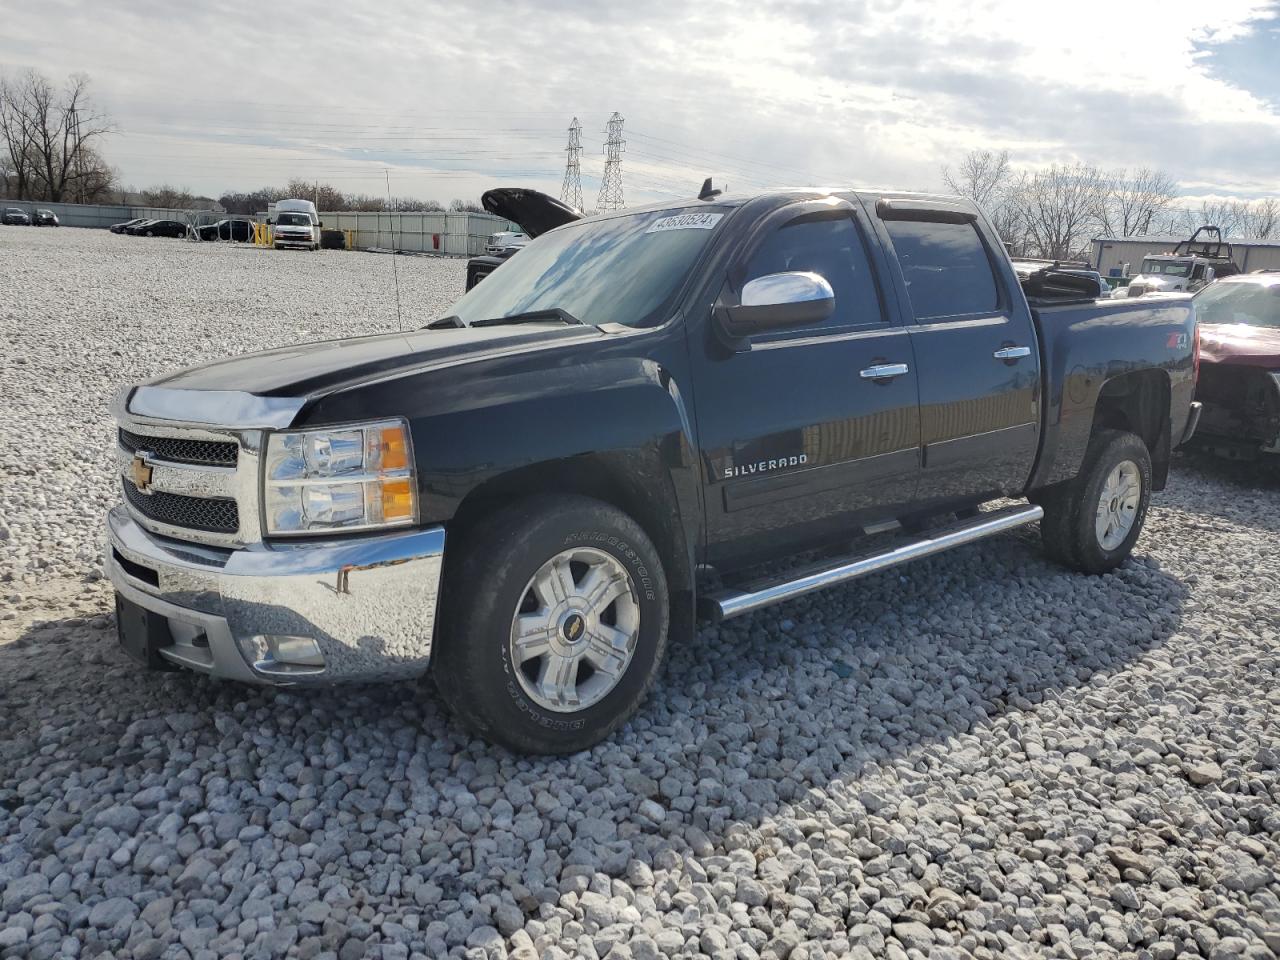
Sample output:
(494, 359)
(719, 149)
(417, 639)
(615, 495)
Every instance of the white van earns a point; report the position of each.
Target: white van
(295, 224)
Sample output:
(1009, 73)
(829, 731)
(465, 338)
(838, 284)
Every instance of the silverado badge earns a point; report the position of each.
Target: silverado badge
(140, 474)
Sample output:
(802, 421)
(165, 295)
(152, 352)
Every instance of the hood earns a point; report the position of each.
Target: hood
(1241, 344)
(311, 369)
(1154, 282)
(535, 212)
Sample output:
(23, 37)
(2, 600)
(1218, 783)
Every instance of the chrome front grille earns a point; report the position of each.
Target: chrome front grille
(210, 514)
(190, 482)
(216, 453)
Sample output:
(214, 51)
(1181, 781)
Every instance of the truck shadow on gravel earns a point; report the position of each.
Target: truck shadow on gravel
(782, 710)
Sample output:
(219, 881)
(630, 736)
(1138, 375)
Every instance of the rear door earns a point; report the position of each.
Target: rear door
(975, 347)
(798, 445)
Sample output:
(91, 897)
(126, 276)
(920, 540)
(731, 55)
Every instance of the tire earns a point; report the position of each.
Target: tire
(1085, 531)
(493, 688)
(150, 233)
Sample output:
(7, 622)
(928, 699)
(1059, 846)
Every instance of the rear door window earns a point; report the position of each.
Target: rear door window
(946, 268)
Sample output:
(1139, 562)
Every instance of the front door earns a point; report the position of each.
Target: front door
(808, 435)
(977, 356)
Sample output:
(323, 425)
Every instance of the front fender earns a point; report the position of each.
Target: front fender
(474, 424)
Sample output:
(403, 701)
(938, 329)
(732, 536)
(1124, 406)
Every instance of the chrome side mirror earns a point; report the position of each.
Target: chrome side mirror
(779, 300)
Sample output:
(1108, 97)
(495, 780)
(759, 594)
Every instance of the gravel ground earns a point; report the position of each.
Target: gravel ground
(978, 755)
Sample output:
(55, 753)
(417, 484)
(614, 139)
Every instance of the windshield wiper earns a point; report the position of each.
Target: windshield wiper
(531, 316)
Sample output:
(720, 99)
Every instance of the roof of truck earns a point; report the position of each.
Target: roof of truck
(796, 193)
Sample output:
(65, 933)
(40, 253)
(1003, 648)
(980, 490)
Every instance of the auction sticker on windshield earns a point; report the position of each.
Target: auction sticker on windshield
(685, 221)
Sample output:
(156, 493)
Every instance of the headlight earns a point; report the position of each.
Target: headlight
(355, 477)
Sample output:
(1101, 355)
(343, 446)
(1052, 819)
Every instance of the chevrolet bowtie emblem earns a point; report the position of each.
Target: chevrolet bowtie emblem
(140, 474)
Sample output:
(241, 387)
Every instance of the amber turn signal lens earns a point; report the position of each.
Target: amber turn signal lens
(395, 448)
(397, 499)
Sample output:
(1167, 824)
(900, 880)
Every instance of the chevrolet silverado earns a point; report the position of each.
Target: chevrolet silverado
(533, 494)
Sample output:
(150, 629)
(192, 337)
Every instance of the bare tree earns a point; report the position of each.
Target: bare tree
(982, 176)
(1059, 207)
(18, 134)
(1129, 205)
(51, 137)
(1226, 215)
(167, 196)
(989, 180)
(1261, 220)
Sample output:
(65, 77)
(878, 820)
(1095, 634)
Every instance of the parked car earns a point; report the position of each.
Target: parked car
(240, 230)
(159, 228)
(124, 227)
(1240, 367)
(135, 229)
(15, 217)
(546, 212)
(645, 406)
(504, 241)
(45, 218)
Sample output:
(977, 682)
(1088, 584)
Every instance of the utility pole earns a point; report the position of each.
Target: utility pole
(75, 163)
(611, 185)
(571, 189)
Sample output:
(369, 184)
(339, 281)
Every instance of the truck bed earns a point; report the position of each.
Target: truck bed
(1080, 341)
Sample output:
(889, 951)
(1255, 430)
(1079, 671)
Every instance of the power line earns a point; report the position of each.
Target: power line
(611, 197)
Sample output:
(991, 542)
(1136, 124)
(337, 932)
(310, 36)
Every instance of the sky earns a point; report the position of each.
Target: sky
(445, 98)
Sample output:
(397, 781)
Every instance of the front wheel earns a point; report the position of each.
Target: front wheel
(554, 624)
(1092, 522)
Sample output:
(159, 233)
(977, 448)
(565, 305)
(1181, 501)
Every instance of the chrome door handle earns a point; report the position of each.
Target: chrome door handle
(884, 371)
(1012, 353)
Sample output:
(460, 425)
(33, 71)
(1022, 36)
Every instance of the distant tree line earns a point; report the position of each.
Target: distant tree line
(49, 139)
(328, 197)
(1055, 211)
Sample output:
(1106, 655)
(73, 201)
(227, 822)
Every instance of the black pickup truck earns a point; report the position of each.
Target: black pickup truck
(615, 431)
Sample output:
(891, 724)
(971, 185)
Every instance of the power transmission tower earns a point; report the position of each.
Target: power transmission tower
(611, 185)
(571, 190)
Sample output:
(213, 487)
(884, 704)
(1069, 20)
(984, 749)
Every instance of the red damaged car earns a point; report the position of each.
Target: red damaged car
(1239, 382)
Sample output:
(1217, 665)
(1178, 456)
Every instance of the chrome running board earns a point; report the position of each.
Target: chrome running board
(726, 604)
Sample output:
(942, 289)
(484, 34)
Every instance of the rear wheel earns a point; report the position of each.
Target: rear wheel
(1092, 522)
(554, 624)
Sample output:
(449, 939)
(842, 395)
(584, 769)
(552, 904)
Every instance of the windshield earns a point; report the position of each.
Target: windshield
(1166, 268)
(293, 220)
(623, 269)
(1257, 304)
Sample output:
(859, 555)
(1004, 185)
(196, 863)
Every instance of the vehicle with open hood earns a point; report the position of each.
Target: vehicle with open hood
(534, 494)
(535, 212)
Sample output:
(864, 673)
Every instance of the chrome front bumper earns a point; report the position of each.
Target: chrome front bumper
(369, 603)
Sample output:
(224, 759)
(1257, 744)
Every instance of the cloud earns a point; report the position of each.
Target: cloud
(452, 97)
